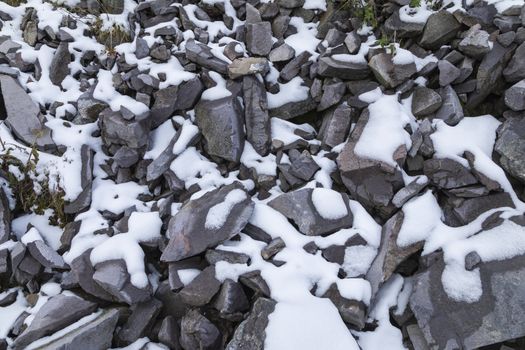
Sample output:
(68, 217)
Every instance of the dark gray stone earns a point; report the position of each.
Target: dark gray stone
(201, 290)
(169, 333)
(259, 38)
(272, 248)
(476, 44)
(46, 256)
(450, 111)
(213, 256)
(292, 68)
(302, 164)
(59, 69)
(425, 101)
(293, 109)
(188, 233)
(332, 94)
(5, 217)
(282, 53)
(125, 157)
(336, 125)
(250, 334)
(447, 173)
(203, 56)
(388, 73)
(256, 117)
(408, 192)
(441, 27)
(88, 107)
(394, 24)
(515, 96)
(231, 302)
(298, 207)
(510, 145)
(447, 72)
(221, 123)
(352, 42)
(329, 67)
(115, 129)
(197, 332)
(471, 208)
(83, 200)
(352, 312)
(139, 322)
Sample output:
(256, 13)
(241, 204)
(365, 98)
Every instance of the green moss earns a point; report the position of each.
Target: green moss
(31, 190)
(14, 3)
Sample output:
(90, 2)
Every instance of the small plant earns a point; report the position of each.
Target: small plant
(415, 3)
(31, 189)
(112, 37)
(14, 3)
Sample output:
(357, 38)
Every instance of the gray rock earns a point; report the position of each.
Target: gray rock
(302, 164)
(292, 68)
(202, 289)
(95, 335)
(476, 44)
(139, 322)
(441, 27)
(23, 115)
(250, 334)
(58, 312)
(256, 117)
(5, 217)
(515, 96)
(336, 125)
(352, 42)
(259, 38)
(114, 278)
(332, 94)
(471, 208)
(82, 272)
(451, 110)
(83, 200)
(447, 173)
(352, 312)
(88, 107)
(282, 53)
(447, 72)
(425, 101)
(408, 192)
(161, 164)
(248, 66)
(188, 94)
(299, 208)
(188, 233)
(515, 70)
(252, 14)
(9, 46)
(394, 24)
(45, 255)
(30, 33)
(169, 333)
(197, 332)
(290, 4)
(59, 65)
(221, 123)
(213, 256)
(125, 157)
(447, 324)
(203, 56)
(141, 48)
(231, 302)
(510, 145)
(389, 74)
(272, 248)
(293, 109)
(417, 337)
(117, 130)
(329, 67)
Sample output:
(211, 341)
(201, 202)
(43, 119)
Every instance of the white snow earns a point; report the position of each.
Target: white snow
(217, 215)
(187, 275)
(329, 204)
(292, 91)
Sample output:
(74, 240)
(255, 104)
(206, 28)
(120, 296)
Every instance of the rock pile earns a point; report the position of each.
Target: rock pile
(246, 175)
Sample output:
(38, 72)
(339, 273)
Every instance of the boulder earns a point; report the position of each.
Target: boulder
(388, 73)
(515, 96)
(197, 332)
(441, 27)
(256, 117)
(510, 145)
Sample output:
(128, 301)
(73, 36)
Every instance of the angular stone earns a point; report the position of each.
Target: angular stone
(394, 24)
(259, 38)
(189, 235)
(282, 53)
(96, 334)
(23, 115)
(450, 111)
(197, 332)
(293, 109)
(292, 68)
(139, 322)
(169, 333)
(447, 324)
(58, 312)
(447, 72)
(408, 192)
(201, 290)
(213, 256)
(59, 65)
(471, 208)
(510, 145)
(447, 173)
(388, 73)
(425, 101)
(330, 67)
(248, 66)
(272, 248)
(298, 207)
(203, 56)
(115, 129)
(5, 217)
(441, 27)
(476, 44)
(302, 164)
(82, 272)
(46, 256)
(221, 123)
(336, 125)
(515, 96)
(250, 334)
(332, 94)
(256, 117)
(231, 302)
(114, 278)
(352, 42)
(88, 107)
(83, 200)
(351, 311)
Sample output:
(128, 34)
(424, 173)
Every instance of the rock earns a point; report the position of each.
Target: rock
(58, 312)
(476, 44)
(515, 70)
(259, 38)
(256, 117)
(88, 107)
(290, 4)
(451, 111)
(189, 235)
(447, 173)
(46, 256)
(213, 256)
(293, 109)
(515, 96)
(201, 290)
(83, 200)
(248, 66)
(351, 311)
(250, 334)
(221, 123)
(299, 208)
(197, 332)
(139, 322)
(471, 208)
(23, 116)
(441, 27)
(272, 248)
(292, 68)
(231, 302)
(352, 42)
(5, 217)
(388, 73)
(160, 165)
(255, 282)
(203, 56)
(332, 68)
(332, 94)
(302, 164)
(510, 145)
(114, 278)
(336, 125)
(447, 72)
(169, 333)
(425, 101)
(96, 334)
(447, 324)
(117, 130)
(408, 192)
(372, 182)
(59, 65)
(394, 24)
(282, 53)
(30, 33)
(82, 272)
(9, 46)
